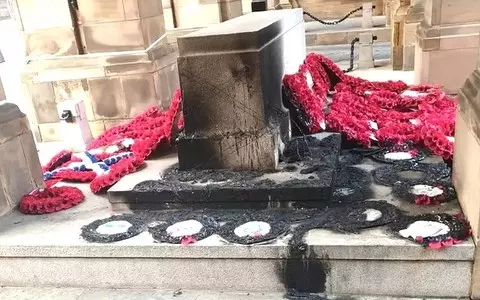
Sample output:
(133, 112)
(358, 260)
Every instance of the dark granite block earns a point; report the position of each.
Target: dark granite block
(305, 173)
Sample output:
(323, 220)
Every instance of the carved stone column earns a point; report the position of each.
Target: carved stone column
(447, 43)
(406, 19)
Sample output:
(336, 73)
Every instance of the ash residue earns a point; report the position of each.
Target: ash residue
(203, 176)
(308, 147)
(352, 185)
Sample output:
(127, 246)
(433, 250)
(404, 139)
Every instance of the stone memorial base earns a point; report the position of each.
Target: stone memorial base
(20, 170)
(447, 43)
(307, 178)
(231, 75)
(113, 86)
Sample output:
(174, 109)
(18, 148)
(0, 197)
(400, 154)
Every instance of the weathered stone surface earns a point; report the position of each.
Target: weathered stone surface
(20, 170)
(447, 43)
(3, 96)
(247, 189)
(466, 163)
(52, 41)
(108, 100)
(228, 92)
(139, 93)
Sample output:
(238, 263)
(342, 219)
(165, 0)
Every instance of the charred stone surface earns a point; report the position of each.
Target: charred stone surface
(306, 173)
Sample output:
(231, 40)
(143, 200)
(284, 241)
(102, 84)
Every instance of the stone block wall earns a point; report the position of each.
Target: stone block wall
(119, 25)
(201, 13)
(113, 92)
(47, 27)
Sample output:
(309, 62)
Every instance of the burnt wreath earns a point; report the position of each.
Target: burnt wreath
(433, 230)
(390, 174)
(254, 227)
(184, 231)
(113, 229)
(399, 154)
(425, 193)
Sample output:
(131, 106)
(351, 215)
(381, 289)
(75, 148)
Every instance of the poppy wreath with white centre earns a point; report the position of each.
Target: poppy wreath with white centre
(441, 192)
(407, 148)
(51, 199)
(459, 229)
(278, 227)
(90, 234)
(161, 232)
(388, 175)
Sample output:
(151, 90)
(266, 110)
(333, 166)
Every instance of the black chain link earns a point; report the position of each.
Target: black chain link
(352, 54)
(337, 21)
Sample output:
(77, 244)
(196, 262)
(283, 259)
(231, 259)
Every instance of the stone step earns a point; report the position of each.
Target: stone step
(340, 53)
(141, 294)
(47, 251)
(318, 34)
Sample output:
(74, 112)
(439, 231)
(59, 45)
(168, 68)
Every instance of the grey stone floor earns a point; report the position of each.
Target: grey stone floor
(139, 294)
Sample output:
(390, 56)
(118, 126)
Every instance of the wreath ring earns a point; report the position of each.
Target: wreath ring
(49, 200)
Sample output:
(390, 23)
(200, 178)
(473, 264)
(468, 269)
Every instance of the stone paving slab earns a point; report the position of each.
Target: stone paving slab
(19, 293)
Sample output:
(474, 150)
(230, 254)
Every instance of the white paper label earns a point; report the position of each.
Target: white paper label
(415, 122)
(114, 227)
(398, 155)
(309, 78)
(323, 125)
(451, 139)
(373, 137)
(409, 93)
(373, 125)
(424, 229)
(184, 228)
(426, 190)
(372, 215)
(252, 229)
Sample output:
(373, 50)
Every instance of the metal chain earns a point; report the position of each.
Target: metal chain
(352, 54)
(334, 22)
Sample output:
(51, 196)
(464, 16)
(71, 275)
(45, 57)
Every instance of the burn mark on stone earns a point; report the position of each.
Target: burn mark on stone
(311, 169)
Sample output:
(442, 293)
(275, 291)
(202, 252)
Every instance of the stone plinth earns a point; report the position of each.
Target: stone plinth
(406, 19)
(114, 87)
(447, 43)
(466, 163)
(231, 75)
(20, 170)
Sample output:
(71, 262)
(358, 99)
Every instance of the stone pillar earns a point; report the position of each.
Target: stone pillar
(367, 15)
(447, 43)
(231, 76)
(365, 55)
(466, 162)
(406, 19)
(116, 60)
(20, 170)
